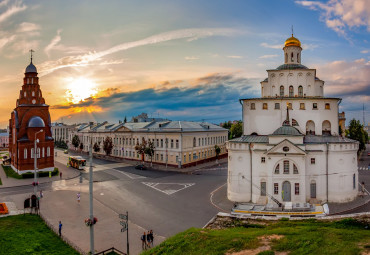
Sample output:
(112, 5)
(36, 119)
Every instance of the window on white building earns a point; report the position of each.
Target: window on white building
(295, 169)
(354, 181)
(300, 91)
(277, 169)
(277, 106)
(281, 90)
(264, 106)
(301, 106)
(296, 188)
(286, 166)
(263, 159)
(327, 106)
(177, 144)
(276, 188)
(314, 106)
(253, 106)
(291, 91)
(171, 143)
(313, 161)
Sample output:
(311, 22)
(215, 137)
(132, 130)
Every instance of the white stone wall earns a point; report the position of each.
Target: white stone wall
(265, 122)
(342, 165)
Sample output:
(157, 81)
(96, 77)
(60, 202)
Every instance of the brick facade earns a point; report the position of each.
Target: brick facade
(30, 116)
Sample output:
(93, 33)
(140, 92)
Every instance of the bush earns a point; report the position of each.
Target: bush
(40, 174)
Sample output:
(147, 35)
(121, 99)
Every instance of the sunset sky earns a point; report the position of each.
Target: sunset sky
(181, 60)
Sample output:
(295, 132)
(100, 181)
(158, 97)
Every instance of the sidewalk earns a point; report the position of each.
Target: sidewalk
(336, 208)
(67, 173)
(61, 205)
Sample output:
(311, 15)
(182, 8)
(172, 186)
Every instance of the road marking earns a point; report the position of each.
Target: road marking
(170, 190)
(131, 176)
(211, 197)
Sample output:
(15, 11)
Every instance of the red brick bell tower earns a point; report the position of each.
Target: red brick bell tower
(30, 116)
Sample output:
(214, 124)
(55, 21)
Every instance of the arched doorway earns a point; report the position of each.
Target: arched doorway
(286, 191)
(326, 128)
(310, 128)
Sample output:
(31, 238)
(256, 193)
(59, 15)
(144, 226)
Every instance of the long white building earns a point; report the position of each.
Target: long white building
(177, 143)
(291, 148)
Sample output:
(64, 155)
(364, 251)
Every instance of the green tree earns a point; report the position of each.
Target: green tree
(125, 120)
(75, 141)
(140, 148)
(356, 132)
(236, 130)
(108, 145)
(96, 147)
(217, 150)
(149, 150)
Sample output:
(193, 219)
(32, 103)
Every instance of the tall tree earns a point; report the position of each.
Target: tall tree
(149, 150)
(217, 150)
(236, 130)
(356, 132)
(125, 120)
(75, 141)
(108, 145)
(96, 147)
(140, 148)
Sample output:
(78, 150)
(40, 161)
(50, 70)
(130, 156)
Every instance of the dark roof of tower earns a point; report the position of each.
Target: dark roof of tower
(36, 121)
(286, 130)
(31, 68)
(291, 67)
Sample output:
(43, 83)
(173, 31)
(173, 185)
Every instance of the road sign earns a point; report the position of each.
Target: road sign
(123, 224)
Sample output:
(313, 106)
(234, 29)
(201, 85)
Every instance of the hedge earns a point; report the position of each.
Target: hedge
(40, 174)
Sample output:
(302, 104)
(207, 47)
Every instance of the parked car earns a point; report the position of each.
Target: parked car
(65, 151)
(140, 167)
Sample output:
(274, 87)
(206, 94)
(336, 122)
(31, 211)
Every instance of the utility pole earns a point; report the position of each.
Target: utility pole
(92, 251)
(363, 114)
(35, 162)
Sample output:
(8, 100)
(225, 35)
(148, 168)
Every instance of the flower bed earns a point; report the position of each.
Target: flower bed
(3, 208)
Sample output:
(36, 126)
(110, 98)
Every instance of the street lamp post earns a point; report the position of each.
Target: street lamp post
(35, 163)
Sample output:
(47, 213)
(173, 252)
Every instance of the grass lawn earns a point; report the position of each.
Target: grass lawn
(10, 172)
(28, 234)
(296, 237)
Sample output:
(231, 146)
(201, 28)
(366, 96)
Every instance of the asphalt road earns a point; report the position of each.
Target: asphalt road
(168, 202)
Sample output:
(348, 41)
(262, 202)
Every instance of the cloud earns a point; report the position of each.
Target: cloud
(214, 96)
(5, 40)
(341, 15)
(53, 42)
(235, 57)
(191, 58)
(28, 27)
(269, 56)
(349, 80)
(365, 51)
(272, 46)
(12, 11)
(83, 60)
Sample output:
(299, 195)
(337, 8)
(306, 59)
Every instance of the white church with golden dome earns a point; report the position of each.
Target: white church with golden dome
(291, 149)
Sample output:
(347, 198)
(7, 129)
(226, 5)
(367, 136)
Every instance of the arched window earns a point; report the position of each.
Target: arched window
(33, 93)
(327, 106)
(25, 153)
(43, 152)
(326, 127)
(277, 169)
(286, 57)
(291, 91)
(281, 90)
(264, 106)
(48, 152)
(253, 106)
(286, 167)
(291, 57)
(300, 91)
(295, 169)
(298, 57)
(194, 142)
(38, 153)
(310, 127)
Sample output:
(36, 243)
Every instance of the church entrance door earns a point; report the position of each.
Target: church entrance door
(286, 191)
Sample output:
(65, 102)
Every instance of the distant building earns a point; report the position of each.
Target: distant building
(29, 121)
(144, 118)
(342, 122)
(177, 143)
(61, 131)
(4, 140)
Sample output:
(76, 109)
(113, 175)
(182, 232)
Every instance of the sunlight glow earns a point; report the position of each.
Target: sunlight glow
(80, 89)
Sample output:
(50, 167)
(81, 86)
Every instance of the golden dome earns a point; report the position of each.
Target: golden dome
(292, 41)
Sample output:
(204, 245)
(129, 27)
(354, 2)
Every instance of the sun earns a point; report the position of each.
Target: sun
(79, 89)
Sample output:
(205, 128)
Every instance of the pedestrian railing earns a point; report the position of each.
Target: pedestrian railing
(111, 250)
